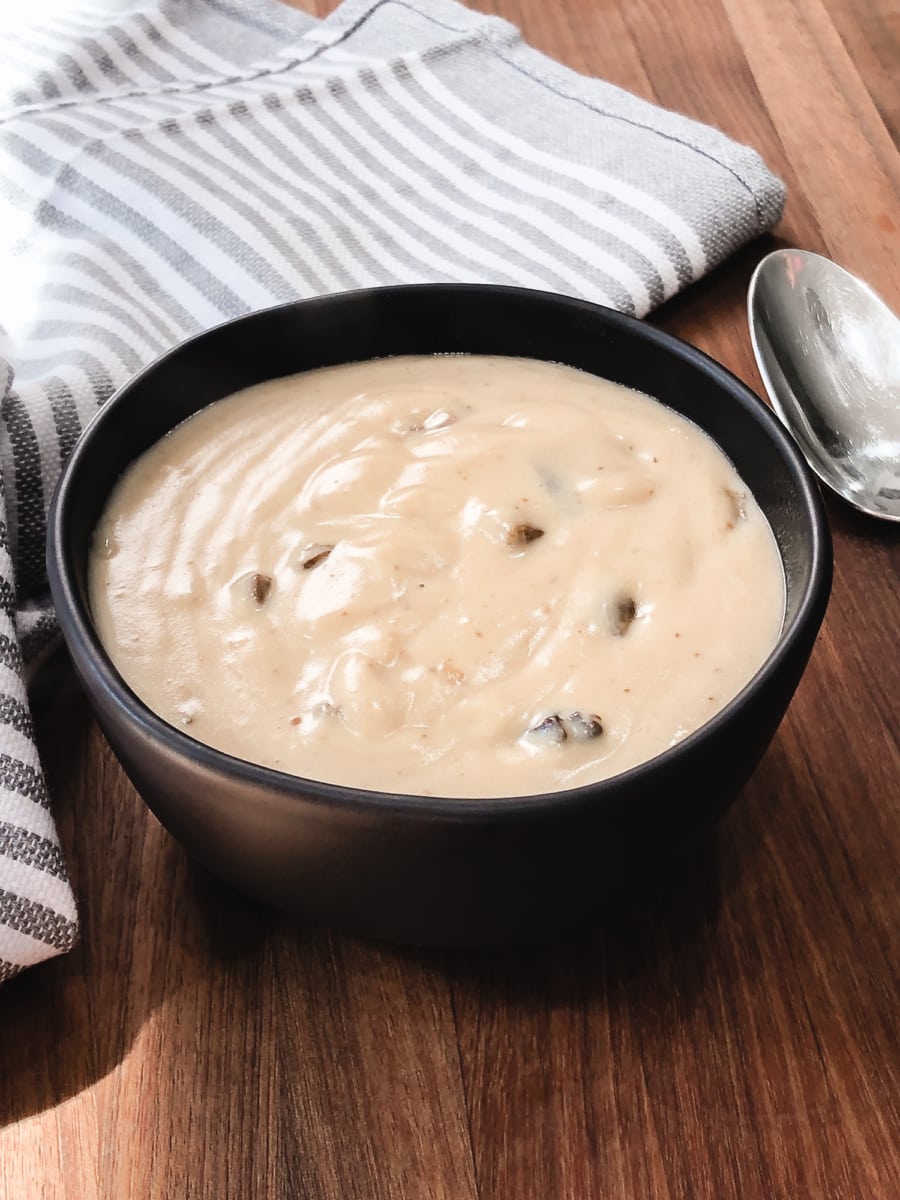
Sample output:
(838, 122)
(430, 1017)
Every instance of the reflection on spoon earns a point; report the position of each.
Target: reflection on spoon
(828, 350)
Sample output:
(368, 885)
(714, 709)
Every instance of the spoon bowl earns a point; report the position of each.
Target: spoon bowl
(828, 350)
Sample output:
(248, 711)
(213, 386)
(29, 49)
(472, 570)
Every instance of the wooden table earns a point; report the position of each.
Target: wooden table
(733, 1036)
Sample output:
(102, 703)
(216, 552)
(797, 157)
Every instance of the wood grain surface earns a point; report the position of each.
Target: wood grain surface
(735, 1035)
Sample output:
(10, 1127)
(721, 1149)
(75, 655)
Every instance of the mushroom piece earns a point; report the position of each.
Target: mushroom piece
(260, 586)
(555, 729)
(624, 614)
(315, 555)
(523, 534)
(550, 731)
(584, 726)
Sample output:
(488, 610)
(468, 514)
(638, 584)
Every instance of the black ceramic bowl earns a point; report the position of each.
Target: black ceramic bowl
(406, 868)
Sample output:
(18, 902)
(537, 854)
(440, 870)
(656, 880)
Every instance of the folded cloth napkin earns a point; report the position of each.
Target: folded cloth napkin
(168, 164)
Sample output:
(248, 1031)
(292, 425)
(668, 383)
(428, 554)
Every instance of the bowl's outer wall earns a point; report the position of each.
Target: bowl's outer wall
(439, 878)
(439, 872)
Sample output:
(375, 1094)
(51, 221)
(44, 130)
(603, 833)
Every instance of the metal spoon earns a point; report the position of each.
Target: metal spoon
(828, 350)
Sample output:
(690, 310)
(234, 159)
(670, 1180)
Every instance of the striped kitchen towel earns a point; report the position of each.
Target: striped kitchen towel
(168, 164)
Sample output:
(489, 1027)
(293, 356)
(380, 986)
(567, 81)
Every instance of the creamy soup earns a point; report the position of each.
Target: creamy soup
(456, 576)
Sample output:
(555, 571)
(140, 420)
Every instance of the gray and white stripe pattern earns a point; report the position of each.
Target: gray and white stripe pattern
(167, 165)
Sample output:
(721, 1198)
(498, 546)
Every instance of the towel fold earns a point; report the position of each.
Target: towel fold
(166, 166)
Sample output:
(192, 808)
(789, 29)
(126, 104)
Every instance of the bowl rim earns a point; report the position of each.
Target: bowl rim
(78, 627)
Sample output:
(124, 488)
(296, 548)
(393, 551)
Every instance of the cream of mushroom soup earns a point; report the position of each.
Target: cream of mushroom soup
(455, 575)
